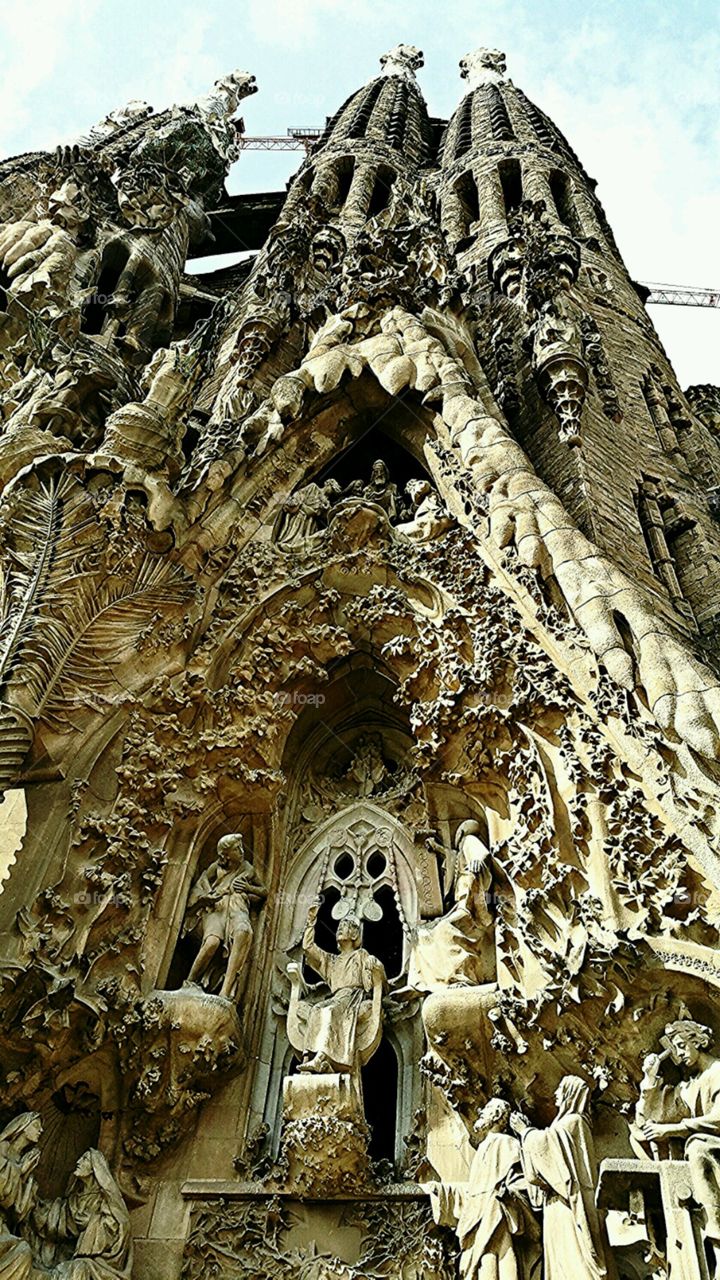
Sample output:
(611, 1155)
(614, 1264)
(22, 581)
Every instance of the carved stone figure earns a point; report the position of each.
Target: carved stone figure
(561, 1171)
(379, 491)
(688, 1112)
(19, 1156)
(340, 1032)
(367, 769)
(459, 948)
(490, 1213)
(429, 517)
(219, 908)
(93, 1221)
(146, 431)
(304, 513)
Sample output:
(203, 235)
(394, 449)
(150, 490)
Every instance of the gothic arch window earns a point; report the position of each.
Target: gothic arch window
(511, 183)
(362, 864)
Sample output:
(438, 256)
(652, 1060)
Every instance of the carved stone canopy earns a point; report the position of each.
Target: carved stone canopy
(484, 66)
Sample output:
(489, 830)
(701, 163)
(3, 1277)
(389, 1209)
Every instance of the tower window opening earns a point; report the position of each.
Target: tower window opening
(398, 114)
(382, 190)
(361, 119)
(540, 124)
(463, 132)
(467, 193)
(344, 173)
(511, 182)
(499, 119)
(650, 513)
(561, 192)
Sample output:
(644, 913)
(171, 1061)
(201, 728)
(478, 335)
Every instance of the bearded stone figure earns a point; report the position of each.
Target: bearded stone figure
(562, 1175)
(690, 1112)
(491, 1213)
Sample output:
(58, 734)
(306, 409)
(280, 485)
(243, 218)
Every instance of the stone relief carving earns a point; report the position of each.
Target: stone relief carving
(491, 1212)
(237, 1239)
(83, 1235)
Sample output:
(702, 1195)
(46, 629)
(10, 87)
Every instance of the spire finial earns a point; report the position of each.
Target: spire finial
(484, 66)
(404, 60)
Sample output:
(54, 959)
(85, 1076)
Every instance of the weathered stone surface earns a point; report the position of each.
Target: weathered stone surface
(359, 713)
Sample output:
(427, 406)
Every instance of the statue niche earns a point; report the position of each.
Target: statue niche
(335, 1017)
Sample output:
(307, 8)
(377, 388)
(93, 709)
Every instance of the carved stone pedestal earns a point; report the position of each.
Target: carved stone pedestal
(659, 1194)
(324, 1134)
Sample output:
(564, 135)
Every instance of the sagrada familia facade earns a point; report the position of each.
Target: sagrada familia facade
(359, 713)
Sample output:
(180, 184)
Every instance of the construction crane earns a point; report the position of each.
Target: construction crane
(681, 295)
(303, 139)
(293, 140)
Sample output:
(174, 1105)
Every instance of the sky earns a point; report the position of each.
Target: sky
(633, 84)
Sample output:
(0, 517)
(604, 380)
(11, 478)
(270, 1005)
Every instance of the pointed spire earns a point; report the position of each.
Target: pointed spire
(404, 60)
(484, 66)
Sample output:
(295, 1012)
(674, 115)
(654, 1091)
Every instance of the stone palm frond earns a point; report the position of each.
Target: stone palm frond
(52, 534)
(63, 633)
(104, 630)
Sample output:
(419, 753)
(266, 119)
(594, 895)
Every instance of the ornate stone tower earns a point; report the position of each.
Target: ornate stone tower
(360, 713)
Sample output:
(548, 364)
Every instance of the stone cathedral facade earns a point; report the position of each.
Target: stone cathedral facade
(359, 713)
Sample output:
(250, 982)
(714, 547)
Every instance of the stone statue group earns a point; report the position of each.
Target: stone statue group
(518, 1169)
(83, 1235)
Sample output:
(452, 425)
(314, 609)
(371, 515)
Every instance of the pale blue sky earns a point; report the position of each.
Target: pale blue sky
(634, 86)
